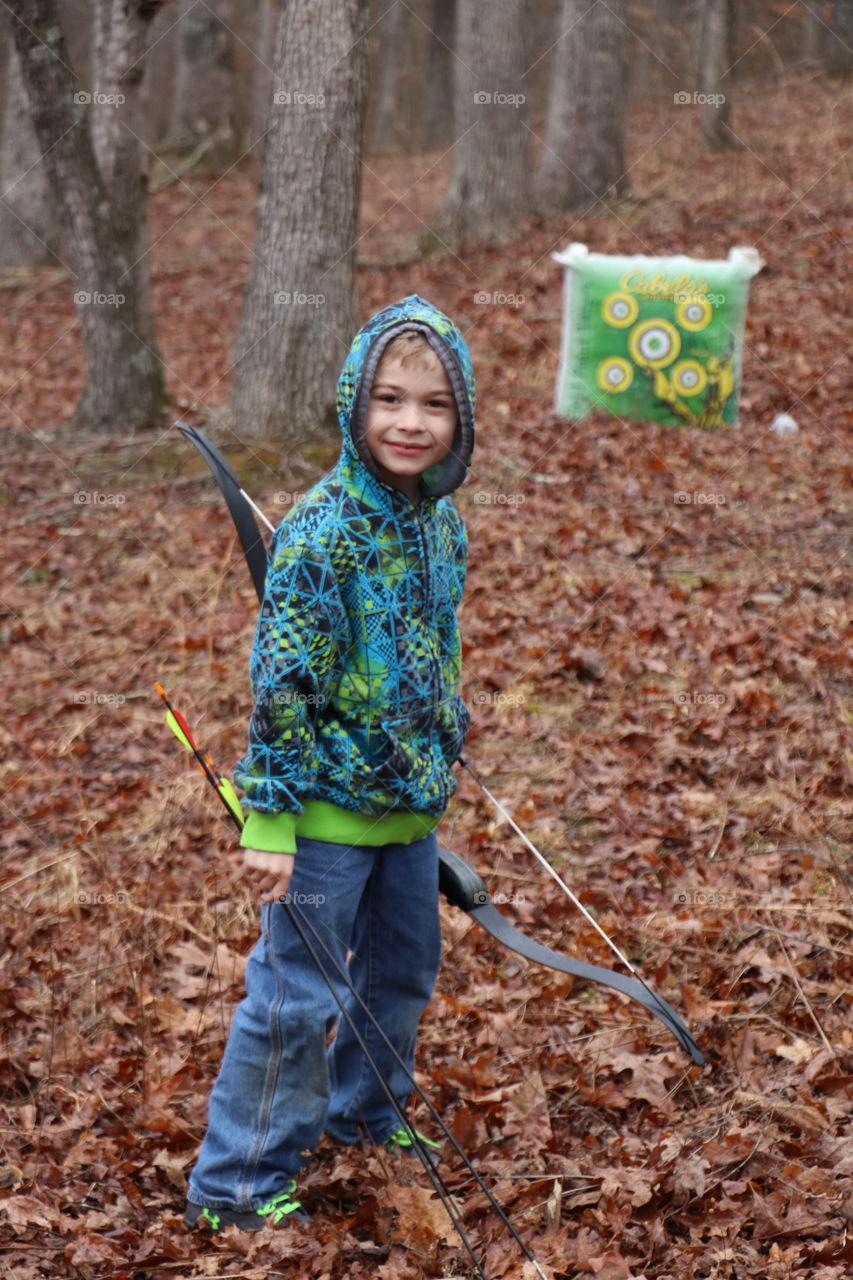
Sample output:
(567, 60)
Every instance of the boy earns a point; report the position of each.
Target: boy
(356, 724)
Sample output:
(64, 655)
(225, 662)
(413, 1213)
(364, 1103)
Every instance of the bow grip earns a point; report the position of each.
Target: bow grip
(459, 882)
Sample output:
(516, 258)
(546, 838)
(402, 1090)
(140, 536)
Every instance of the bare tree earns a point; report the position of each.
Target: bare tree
(124, 385)
(121, 38)
(814, 33)
(161, 62)
(839, 44)
(392, 30)
(716, 36)
(206, 107)
(262, 42)
(29, 231)
(584, 156)
(489, 191)
(437, 114)
(299, 310)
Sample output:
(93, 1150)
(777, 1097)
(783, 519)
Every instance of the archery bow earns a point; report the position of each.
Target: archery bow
(301, 924)
(458, 881)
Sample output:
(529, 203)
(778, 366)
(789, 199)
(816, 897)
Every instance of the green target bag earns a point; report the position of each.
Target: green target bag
(653, 339)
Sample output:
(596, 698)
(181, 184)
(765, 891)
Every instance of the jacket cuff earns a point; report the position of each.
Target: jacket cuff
(269, 832)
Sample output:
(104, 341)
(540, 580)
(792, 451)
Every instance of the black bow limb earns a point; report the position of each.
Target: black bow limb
(238, 503)
(464, 888)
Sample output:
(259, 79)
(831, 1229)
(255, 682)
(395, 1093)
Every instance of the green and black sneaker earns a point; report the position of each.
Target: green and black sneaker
(409, 1142)
(282, 1209)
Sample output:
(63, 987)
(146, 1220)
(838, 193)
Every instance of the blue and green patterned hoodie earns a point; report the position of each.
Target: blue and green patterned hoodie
(356, 662)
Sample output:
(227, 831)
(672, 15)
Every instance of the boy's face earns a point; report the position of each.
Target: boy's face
(410, 421)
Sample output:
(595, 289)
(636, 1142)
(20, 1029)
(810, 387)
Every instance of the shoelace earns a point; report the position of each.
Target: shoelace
(404, 1137)
(280, 1205)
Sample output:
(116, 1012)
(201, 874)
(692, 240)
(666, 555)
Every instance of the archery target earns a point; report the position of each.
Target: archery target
(655, 339)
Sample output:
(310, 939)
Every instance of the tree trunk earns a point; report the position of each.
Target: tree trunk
(584, 157)
(122, 31)
(124, 386)
(814, 30)
(161, 64)
(716, 19)
(839, 44)
(671, 25)
(391, 29)
(299, 311)
(489, 192)
(205, 80)
(437, 114)
(263, 42)
(29, 231)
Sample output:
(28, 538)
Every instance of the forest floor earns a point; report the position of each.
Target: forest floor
(658, 691)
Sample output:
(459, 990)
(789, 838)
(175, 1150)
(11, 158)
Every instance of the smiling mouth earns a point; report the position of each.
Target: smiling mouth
(407, 448)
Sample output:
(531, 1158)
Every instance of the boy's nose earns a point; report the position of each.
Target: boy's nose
(411, 419)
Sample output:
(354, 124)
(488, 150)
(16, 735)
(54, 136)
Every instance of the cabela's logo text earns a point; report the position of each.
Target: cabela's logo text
(659, 286)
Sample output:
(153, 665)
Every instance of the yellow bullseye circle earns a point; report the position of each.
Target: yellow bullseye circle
(694, 314)
(689, 378)
(614, 375)
(654, 344)
(620, 310)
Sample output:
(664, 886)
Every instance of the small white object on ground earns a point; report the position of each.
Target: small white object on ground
(784, 425)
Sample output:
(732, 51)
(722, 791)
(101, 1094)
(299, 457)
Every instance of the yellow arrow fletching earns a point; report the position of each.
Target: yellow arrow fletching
(178, 731)
(229, 795)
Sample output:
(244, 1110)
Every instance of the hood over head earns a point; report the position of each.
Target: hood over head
(359, 371)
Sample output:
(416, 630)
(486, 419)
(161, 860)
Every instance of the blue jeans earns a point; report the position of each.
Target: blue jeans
(279, 1086)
